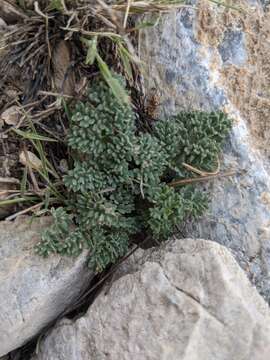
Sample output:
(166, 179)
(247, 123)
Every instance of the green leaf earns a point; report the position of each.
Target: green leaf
(126, 58)
(92, 50)
(66, 108)
(32, 136)
(21, 3)
(55, 5)
(18, 200)
(116, 87)
(147, 24)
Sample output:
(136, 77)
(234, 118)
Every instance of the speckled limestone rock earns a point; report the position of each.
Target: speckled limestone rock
(33, 290)
(215, 58)
(189, 300)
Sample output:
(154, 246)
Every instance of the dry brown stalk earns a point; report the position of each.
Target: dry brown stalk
(202, 178)
(202, 172)
(25, 211)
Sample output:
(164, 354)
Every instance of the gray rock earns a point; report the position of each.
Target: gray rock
(232, 49)
(189, 300)
(265, 3)
(214, 58)
(33, 290)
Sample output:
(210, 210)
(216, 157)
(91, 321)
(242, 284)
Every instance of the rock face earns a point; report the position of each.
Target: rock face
(187, 301)
(215, 58)
(33, 291)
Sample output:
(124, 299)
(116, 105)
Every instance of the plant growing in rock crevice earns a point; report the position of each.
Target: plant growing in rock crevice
(117, 187)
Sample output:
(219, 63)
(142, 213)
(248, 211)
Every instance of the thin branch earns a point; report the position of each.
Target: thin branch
(202, 178)
(50, 93)
(110, 11)
(9, 180)
(33, 178)
(126, 13)
(92, 33)
(25, 211)
(46, 17)
(202, 172)
(39, 12)
(6, 192)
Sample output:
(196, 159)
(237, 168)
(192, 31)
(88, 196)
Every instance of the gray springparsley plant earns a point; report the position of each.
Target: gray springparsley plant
(117, 186)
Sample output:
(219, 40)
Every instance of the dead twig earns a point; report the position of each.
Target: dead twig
(33, 178)
(126, 13)
(93, 33)
(202, 172)
(109, 11)
(46, 17)
(6, 192)
(141, 7)
(50, 93)
(202, 178)
(9, 180)
(25, 211)
(39, 12)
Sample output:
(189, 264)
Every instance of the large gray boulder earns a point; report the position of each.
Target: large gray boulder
(189, 300)
(33, 290)
(214, 58)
